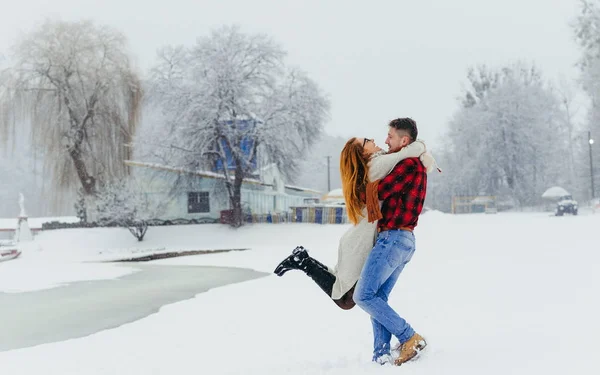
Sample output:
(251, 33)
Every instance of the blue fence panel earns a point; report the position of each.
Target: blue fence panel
(319, 215)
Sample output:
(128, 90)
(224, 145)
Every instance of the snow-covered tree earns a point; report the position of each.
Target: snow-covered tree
(572, 101)
(229, 99)
(73, 85)
(510, 139)
(481, 79)
(587, 34)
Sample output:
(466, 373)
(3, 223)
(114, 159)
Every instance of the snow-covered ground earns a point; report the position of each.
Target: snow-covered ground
(493, 294)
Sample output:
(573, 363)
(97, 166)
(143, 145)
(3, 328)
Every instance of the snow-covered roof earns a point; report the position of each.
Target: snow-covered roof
(209, 174)
(555, 192)
(299, 188)
(335, 193)
(200, 173)
(334, 196)
(482, 200)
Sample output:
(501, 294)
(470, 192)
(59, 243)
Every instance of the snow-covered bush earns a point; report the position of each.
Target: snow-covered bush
(123, 203)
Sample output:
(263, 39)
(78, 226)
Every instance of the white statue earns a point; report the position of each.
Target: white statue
(23, 232)
(22, 205)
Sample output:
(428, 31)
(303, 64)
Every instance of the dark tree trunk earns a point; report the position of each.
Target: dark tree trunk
(236, 201)
(88, 182)
(77, 137)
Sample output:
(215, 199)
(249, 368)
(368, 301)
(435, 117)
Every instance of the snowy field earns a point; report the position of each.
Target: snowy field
(493, 294)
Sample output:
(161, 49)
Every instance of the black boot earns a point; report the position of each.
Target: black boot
(296, 261)
(300, 260)
(320, 274)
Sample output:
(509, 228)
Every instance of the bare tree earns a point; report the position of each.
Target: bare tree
(229, 101)
(73, 84)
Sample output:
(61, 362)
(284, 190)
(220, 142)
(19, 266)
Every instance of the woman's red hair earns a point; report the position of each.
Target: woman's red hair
(353, 170)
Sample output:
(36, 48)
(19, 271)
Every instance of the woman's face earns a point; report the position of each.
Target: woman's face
(368, 145)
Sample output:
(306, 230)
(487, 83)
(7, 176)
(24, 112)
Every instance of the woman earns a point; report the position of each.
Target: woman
(361, 162)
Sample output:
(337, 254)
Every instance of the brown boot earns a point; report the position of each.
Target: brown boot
(410, 349)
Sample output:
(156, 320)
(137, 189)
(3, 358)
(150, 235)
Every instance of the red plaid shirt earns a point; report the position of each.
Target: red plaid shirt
(403, 194)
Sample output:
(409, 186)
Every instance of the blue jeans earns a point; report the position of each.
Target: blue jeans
(393, 250)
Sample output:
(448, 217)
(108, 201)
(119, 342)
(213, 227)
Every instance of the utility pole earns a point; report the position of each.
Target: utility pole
(328, 174)
(591, 142)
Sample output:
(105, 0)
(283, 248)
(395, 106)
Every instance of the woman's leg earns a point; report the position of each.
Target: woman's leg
(317, 271)
(325, 280)
(300, 260)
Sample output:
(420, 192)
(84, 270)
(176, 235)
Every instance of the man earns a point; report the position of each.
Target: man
(403, 194)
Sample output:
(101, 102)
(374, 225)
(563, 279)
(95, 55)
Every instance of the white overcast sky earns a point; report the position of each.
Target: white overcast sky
(377, 60)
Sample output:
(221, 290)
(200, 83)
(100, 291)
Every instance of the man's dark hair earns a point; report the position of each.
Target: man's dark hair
(407, 124)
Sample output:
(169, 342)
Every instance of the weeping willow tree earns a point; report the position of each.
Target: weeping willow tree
(72, 85)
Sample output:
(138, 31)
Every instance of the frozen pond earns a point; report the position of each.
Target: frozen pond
(84, 308)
